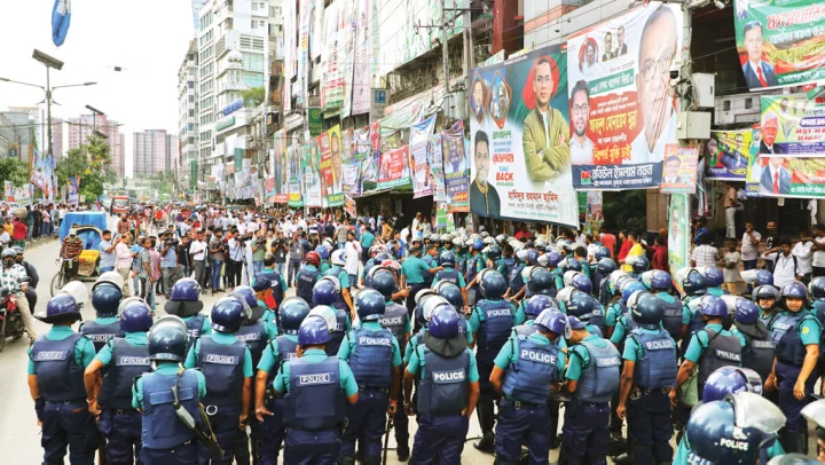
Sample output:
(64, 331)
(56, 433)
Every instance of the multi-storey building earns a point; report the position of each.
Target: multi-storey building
(187, 114)
(152, 151)
(81, 128)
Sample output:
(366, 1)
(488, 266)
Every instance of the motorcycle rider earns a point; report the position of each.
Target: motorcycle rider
(124, 358)
(12, 275)
(31, 272)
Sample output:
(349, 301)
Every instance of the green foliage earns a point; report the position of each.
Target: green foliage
(627, 209)
(12, 169)
(253, 97)
(91, 163)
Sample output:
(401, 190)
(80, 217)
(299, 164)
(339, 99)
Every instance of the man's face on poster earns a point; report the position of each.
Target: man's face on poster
(502, 97)
(608, 43)
(620, 37)
(335, 149)
(769, 130)
(590, 55)
(753, 43)
(657, 48)
(482, 162)
(543, 85)
(784, 105)
(672, 167)
(478, 94)
(739, 139)
(776, 162)
(581, 113)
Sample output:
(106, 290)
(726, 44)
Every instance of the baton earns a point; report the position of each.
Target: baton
(387, 438)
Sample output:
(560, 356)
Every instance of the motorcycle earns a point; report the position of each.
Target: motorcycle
(11, 322)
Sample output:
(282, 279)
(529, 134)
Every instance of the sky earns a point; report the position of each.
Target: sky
(149, 39)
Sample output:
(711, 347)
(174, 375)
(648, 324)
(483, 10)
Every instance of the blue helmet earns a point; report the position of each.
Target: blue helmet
(246, 294)
(494, 252)
(313, 332)
(323, 251)
(531, 256)
(747, 313)
(539, 281)
(580, 305)
(695, 283)
(572, 264)
(383, 282)
(730, 380)
(106, 298)
(446, 258)
(631, 287)
(324, 292)
(62, 308)
(477, 244)
(817, 288)
(647, 309)
(713, 306)
(186, 289)
(581, 282)
(640, 265)
(606, 266)
(765, 291)
(228, 314)
(661, 280)
(370, 305)
(135, 316)
(443, 323)
(553, 258)
(292, 311)
(763, 277)
(168, 339)
(451, 292)
(794, 290)
(537, 304)
(493, 285)
(554, 321)
(714, 276)
(602, 252)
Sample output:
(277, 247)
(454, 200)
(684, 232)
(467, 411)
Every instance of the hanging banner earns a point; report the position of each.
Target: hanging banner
(269, 189)
(61, 19)
(347, 36)
(780, 43)
(9, 190)
(332, 91)
(455, 168)
(793, 126)
(352, 179)
(361, 71)
(281, 179)
(297, 182)
(520, 166)
(303, 53)
(315, 119)
(325, 166)
(441, 216)
(316, 29)
(680, 168)
(43, 173)
(393, 169)
(349, 206)
(369, 166)
(593, 217)
(752, 182)
(621, 106)
(334, 196)
(678, 235)
(420, 150)
(728, 155)
(347, 146)
(437, 170)
(361, 143)
(74, 186)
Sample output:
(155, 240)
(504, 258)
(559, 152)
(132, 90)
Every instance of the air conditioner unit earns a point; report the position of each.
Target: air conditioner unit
(453, 105)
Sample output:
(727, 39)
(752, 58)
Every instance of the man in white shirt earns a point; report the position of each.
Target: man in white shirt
(818, 247)
(352, 250)
(804, 256)
(705, 255)
(405, 233)
(785, 268)
(197, 251)
(750, 247)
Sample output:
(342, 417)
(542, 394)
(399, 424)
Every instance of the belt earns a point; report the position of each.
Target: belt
(638, 391)
(518, 405)
(189, 442)
(373, 388)
(123, 411)
(67, 402)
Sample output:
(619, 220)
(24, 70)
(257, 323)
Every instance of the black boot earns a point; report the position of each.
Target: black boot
(617, 444)
(486, 420)
(403, 452)
(798, 442)
(347, 460)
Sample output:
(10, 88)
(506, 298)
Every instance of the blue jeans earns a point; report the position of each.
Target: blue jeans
(749, 264)
(281, 267)
(217, 265)
(104, 269)
(257, 267)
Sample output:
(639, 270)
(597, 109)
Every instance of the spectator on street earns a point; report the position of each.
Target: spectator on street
(705, 255)
(771, 246)
(802, 250)
(785, 264)
(730, 269)
(659, 259)
(818, 247)
(750, 246)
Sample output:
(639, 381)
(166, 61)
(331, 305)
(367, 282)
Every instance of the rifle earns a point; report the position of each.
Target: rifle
(387, 437)
(206, 435)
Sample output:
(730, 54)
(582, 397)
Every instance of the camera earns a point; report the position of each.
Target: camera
(674, 71)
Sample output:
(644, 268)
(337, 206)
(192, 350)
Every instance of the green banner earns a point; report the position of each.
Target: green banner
(678, 234)
(193, 174)
(238, 160)
(316, 122)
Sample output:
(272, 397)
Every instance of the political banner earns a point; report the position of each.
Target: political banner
(316, 28)
(269, 189)
(520, 161)
(455, 168)
(752, 181)
(728, 155)
(361, 71)
(351, 184)
(593, 215)
(349, 206)
(325, 166)
(680, 168)
(297, 183)
(332, 90)
(74, 186)
(420, 150)
(361, 143)
(9, 190)
(393, 168)
(437, 170)
(312, 176)
(780, 44)
(678, 235)
(281, 178)
(793, 126)
(303, 53)
(791, 176)
(334, 195)
(347, 146)
(346, 40)
(622, 109)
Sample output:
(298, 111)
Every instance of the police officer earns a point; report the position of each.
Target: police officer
(56, 364)
(269, 409)
(604, 269)
(568, 264)
(491, 322)
(106, 299)
(474, 263)
(650, 361)
(374, 357)
(695, 286)
(431, 258)
(226, 363)
(454, 295)
(413, 272)
(448, 390)
(592, 378)
(618, 314)
(317, 387)
(126, 358)
(612, 300)
(795, 336)
(448, 272)
(639, 266)
(715, 279)
(532, 309)
(539, 282)
(527, 370)
(327, 292)
(516, 282)
(584, 307)
(338, 271)
(660, 284)
(165, 437)
(712, 347)
(758, 353)
(185, 303)
(307, 276)
(766, 297)
(277, 282)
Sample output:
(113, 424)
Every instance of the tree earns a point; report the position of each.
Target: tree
(12, 169)
(253, 97)
(91, 163)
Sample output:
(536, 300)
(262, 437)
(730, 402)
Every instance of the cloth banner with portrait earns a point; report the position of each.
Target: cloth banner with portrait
(728, 154)
(792, 149)
(780, 44)
(678, 235)
(455, 168)
(622, 112)
(520, 161)
(394, 169)
(680, 169)
(420, 154)
(752, 180)
(334, 195)
(281, 179)
(313, 179)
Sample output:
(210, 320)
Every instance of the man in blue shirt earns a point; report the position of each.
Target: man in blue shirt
(413, 273)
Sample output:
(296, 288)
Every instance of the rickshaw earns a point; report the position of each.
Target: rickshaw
(90, 227)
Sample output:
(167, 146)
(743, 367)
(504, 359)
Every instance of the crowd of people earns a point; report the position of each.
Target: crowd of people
(398, 323)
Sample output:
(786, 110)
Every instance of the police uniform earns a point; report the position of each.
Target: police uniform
(474, 265)
(451, 275)
(273, 429)
(758, 352)
(595, 364)
(225, 362)
(306, 278)
(532, 364)
(713, 348)
(339, 303)
(515, 282)
(58, 360)
(126, 359)
(371, 352)
(612, 315)
(314, 410)
(431, 262)
(654, 354)
(166, 439)
(279, 286)
(492, 322)
(101, 330)
(673, 314)
(197, 326)
(397, 321)
(344, 322)
(716, 291)
(684, 453)
(415, 270)
(692, 319)
(443, 393)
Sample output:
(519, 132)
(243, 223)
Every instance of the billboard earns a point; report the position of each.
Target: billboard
(332, 90)
(420, 154)
(361, 70)
(680, 169)
(334, 195)
(780, 43)
(281, 172)
(678, 234)
(622, 111)
(393, 168)
(311, 165)
(752, 181)
(455, 168)
(728, 154)
(520, 157)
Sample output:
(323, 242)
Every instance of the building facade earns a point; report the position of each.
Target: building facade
(187, 115)
(152, 152)
(81, 128)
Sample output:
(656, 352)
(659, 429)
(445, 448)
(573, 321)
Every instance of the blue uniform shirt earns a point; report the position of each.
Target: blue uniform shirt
(509, 353)
(475, 318)
(633, 351)
(206, 329)
(699, 341)
(84, 349)
(461, 283)
(270, 355)
(578, 364)
(133, 339)
(220, 338)
(414, 269)
(346, 380)
(165, 369)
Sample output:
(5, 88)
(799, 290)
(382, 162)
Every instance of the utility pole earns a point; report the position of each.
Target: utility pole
(445, 49)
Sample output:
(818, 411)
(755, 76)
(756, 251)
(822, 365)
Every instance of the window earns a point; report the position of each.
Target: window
(254, 6)
(191, 84)
(192, 113)
(253, 79)
(726, 105)
(748, 103)
(253, 62)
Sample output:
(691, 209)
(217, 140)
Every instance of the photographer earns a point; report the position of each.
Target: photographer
(279, 251)
(184, 259)
(234, 262)
(258, 246)
(296, 256)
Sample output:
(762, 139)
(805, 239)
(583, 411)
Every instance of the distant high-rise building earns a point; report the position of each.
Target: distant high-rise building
(81, 128)
(152, 151)
(187, 114)
(196, 8)
(57, 137)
